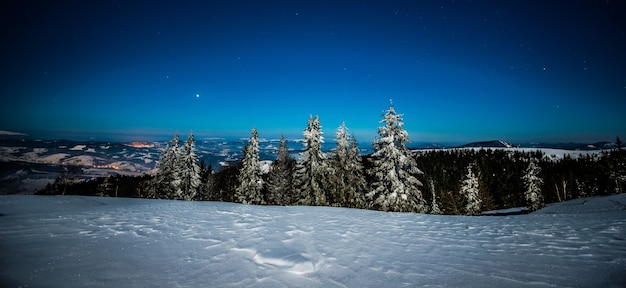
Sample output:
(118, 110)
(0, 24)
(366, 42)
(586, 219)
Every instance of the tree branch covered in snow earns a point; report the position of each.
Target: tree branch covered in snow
(470, 190)
(249, 190)
(533, 186)
(312, 172)
(395, 186)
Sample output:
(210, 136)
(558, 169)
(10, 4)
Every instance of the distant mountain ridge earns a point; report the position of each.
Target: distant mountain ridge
(602, 145)
(491, 144)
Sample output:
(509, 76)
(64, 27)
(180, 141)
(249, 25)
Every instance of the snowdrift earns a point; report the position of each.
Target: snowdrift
(110, 242)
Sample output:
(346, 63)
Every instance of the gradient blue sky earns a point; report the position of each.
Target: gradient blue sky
(459, 71)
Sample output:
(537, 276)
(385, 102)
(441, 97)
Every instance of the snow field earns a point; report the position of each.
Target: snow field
(103, 242)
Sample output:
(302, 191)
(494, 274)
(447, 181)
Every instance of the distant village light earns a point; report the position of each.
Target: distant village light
(108, 166)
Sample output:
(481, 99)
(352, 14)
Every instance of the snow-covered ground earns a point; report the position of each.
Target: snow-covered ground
(55, 241)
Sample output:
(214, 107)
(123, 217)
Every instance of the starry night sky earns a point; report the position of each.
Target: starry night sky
(459, 71)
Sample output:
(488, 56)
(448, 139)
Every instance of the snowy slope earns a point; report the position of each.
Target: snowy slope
(108, 242)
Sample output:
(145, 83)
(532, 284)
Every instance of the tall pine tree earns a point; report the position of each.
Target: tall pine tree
(347, 182)
(533, 184)
(279, 179)
(395, 186)
(166, 183)
(190, 171)
(470, 189)
(311, 171)
(251, 184)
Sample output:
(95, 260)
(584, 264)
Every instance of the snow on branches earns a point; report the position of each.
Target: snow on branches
(395, 186)
(311, 173)
(470, 189)
(251, 184)
(533, 184)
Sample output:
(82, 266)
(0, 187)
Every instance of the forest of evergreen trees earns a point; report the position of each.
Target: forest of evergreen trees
(393, 178)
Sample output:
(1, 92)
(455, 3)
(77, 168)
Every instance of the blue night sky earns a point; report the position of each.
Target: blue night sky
(459, 71)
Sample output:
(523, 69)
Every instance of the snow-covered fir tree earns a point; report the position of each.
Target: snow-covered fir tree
(533, 184)
(311, 172)
(347, 183)
(250, 188)
(434, 207)
(166, 183)
(470, 190)
(190, 178)
(395, 186)
(279, 179)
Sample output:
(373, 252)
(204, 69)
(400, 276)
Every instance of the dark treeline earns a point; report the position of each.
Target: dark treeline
(450, 181)
(501, 176)
(501, 179)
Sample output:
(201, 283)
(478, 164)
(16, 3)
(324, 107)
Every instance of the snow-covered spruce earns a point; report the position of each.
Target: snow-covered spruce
(166, 183)
(311, 173)
(251, 183)
(178, 176)
(190, 179)
(533, 184)
(395, 186)
(347, 182)
(470, 189)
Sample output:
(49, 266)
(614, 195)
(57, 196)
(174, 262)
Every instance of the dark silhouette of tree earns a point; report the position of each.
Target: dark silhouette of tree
(280, 177)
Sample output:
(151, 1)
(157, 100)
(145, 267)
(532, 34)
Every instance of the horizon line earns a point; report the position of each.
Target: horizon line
(77, 136)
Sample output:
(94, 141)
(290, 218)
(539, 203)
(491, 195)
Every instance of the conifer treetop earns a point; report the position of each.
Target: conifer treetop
(392, 133)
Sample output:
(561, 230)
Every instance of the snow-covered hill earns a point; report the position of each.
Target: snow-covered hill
(27, 165)
(488, 144)
(109, 242)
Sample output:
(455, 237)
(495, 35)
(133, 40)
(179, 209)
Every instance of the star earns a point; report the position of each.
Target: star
(197, 95)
